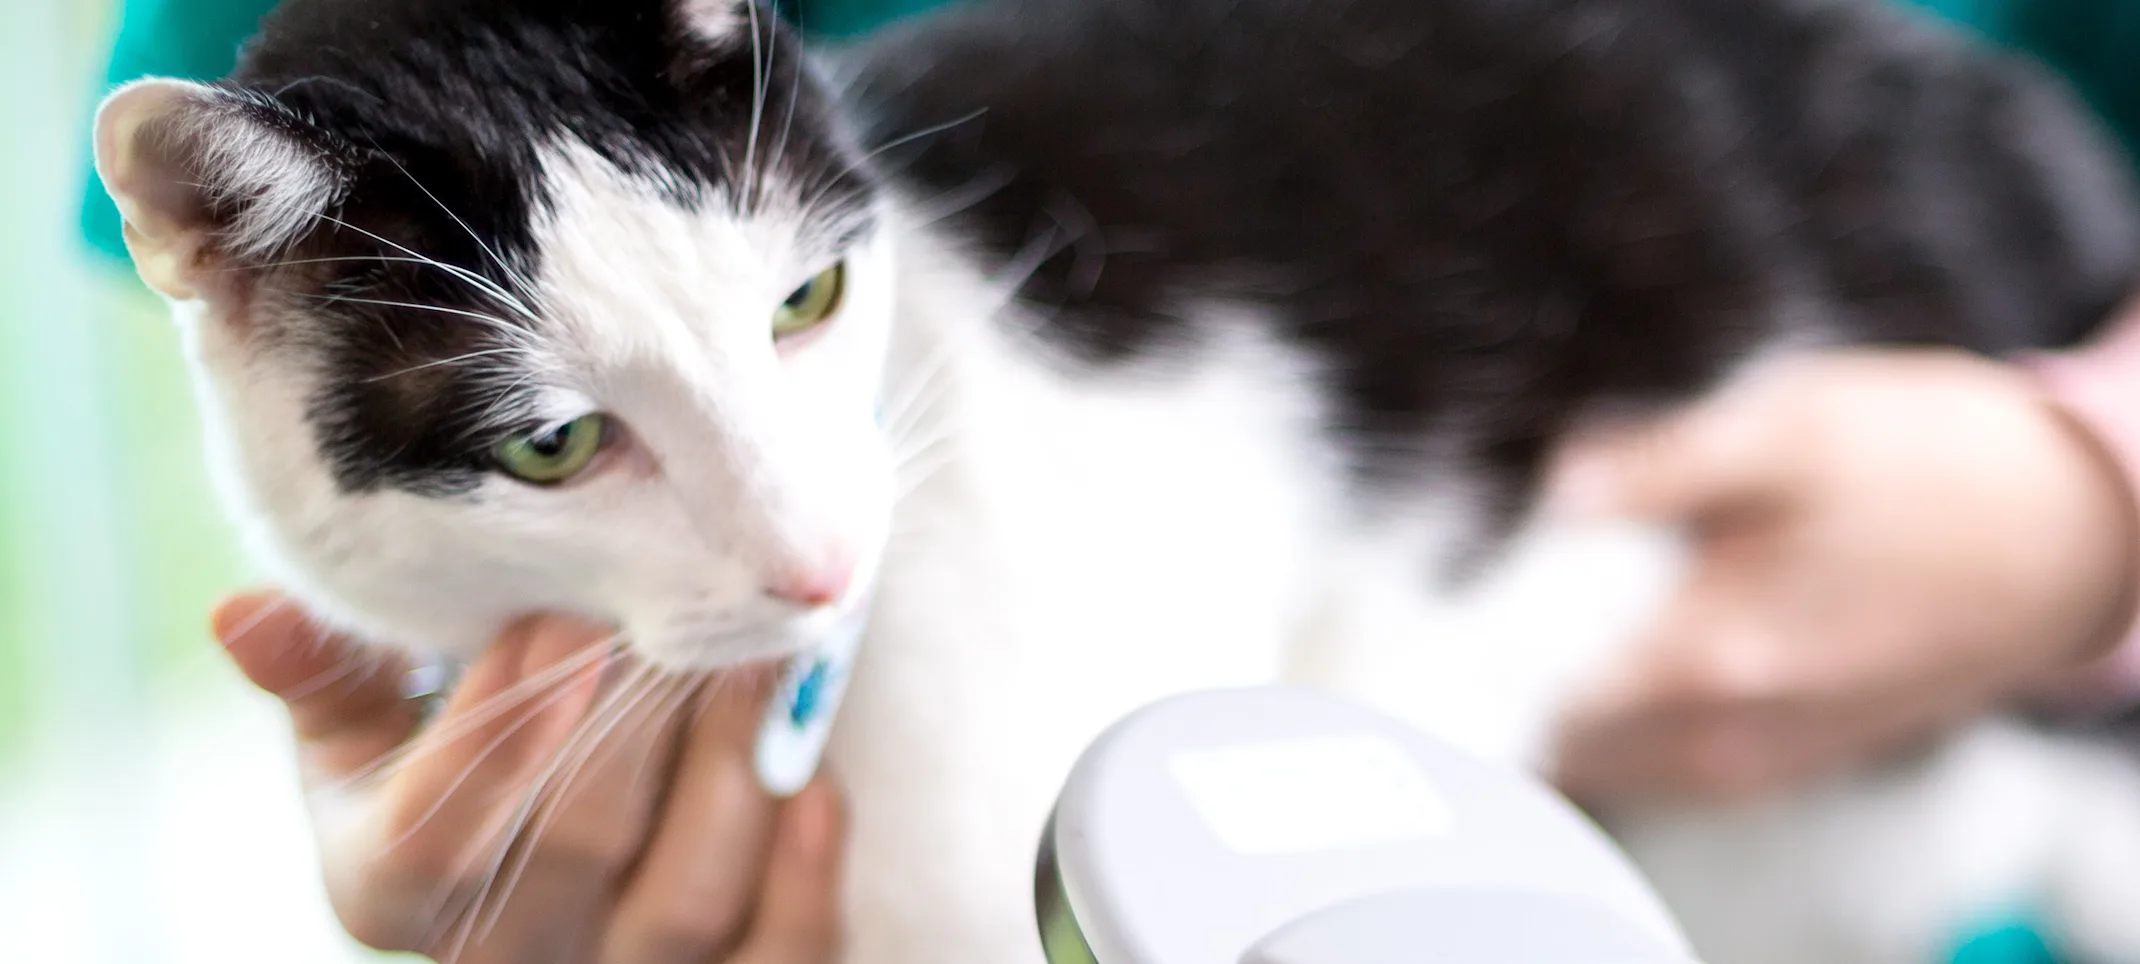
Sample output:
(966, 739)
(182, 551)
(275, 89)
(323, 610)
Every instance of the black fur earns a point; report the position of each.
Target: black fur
(1492, 216)
(1496, 215)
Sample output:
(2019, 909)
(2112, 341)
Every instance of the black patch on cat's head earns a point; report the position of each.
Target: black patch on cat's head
(440, 112)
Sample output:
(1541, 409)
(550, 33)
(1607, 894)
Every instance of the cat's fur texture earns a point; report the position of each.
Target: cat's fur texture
(1188, 343)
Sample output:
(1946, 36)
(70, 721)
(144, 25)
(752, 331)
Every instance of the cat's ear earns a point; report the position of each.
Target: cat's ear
(209, 179)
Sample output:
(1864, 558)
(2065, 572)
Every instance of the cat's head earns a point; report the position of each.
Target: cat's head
(499, 306)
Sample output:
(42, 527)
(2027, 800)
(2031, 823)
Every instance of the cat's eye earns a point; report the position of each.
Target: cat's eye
(552, 455)
(812, 304)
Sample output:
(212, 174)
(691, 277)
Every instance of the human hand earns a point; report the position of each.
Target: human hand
(542, 817)
(1886, 544)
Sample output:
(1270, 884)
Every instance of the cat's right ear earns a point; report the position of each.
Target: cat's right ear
(208, 179)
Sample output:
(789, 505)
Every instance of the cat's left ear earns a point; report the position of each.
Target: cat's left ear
(209, 179)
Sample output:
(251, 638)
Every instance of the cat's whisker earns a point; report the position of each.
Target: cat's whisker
(504, 835)
(443, 362)
(566, 670)
(907, 413)
(476, 763)
(253, 622)
(930, 131)
(906, 447)
(929, 471)
(450, 892)
(908, 450)
(511, 274)
(370, 662)
(927, 387)
(760, 63)
(1006, 281)
(674, 692)
(491, 320)
(927, 378)
(505, 396)
(832, 180)
(787, 123)
(544, 802)
(689, 684)
(901, 433)
(949, 203)
(472, 279)
(470, 276)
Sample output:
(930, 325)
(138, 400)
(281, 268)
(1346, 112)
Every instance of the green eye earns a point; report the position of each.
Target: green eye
(813, 303)
(552, 455)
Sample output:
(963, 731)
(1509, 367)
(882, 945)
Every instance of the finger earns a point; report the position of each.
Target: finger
(1788, 749)
(1685, 713)
(584, 824)
(1709, 757)
(344, 699)
(798, 911)
(1701, 649)
(1622, 761)
(514, 707)
(1725, 454)
(693, 894)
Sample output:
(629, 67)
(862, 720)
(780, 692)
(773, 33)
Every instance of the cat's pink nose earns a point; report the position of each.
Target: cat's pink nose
(815, 588)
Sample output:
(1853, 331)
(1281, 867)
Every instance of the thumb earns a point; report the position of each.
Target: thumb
(344, 700)
(1722, 456)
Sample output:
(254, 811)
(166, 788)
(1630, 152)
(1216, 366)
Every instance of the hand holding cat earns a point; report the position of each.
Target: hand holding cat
(660, 848)
(1886, 543)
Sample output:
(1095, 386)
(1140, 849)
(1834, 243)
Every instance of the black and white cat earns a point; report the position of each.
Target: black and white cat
(1105, 349)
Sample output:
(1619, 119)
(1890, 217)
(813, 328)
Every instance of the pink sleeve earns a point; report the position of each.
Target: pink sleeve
(2098, 386)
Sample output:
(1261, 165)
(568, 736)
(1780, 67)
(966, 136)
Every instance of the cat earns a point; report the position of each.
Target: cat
(1105, 349)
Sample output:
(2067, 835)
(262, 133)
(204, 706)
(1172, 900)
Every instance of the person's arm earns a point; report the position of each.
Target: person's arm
(1887, 543)
(2098, 388)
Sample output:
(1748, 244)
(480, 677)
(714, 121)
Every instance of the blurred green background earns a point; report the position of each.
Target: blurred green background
(148, 805)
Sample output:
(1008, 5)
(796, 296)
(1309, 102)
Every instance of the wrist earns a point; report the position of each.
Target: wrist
(2094, 394)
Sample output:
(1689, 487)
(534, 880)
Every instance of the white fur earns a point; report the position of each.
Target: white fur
(1066, 549)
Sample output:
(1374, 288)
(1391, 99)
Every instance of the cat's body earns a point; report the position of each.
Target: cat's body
(1184, 344)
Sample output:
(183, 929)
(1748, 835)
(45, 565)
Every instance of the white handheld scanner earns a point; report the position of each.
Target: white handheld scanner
(1272, 826)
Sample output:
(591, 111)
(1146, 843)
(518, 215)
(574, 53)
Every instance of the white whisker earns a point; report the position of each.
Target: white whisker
(510, 273)
(472, 279)
(483, 754)
(508, 832)
(464, 273)
(670, 688)
(760, 63)
(441, 363)
(544, 803)
(245, 628)
(475, 716)
(370, 661)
